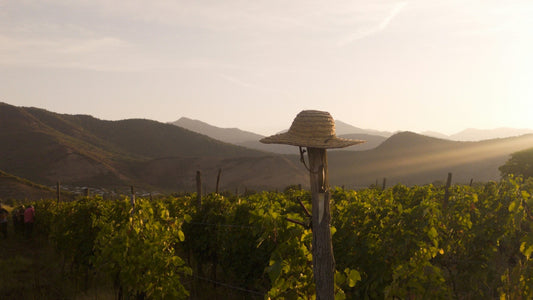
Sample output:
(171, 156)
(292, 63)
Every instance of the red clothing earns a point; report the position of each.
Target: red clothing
(29, 215)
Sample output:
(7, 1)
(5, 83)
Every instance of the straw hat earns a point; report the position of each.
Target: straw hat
(311, 128)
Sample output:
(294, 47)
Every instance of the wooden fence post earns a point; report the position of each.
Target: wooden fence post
(384, 183)
(447, 190)
(316, 131)
(198, 189)
(132, 199)
(218, 180)
(323, 260)
(58, 191)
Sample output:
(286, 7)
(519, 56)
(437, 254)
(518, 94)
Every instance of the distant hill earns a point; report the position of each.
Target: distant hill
(251, 140)
(273, 148)
(238, 173)
(371, 141)
(232, 135)
(342, 128)
(80, 150)
(410, 158)
(45, 147)
(436, 135)
(16, 188)
(228, 135)
(472, 134)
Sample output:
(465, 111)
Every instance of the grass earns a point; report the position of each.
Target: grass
(31, 269)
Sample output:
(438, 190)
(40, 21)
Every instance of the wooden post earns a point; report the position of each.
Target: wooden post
(198, 189)
(58, 190)
(323, 260)
(447, 190)
(132, 199)
(218, 180)
(86, 192)
(471, 181)
(384, 183)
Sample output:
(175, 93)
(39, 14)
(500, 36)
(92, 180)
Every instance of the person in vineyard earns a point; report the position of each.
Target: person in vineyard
(29, 219)
(3, 221)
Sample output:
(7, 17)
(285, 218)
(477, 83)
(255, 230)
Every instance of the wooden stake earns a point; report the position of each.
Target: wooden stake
(218, 180)
(447, 190)
(198, 189)
(132, 199)
(323, 260)
(384, 183)
(58, 190)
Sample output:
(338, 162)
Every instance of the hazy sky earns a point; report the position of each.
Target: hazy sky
(388, 65)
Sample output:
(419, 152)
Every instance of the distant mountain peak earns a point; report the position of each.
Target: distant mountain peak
(410, 140)
(436, 134)
(342, 128)
(474, 134)
(228, 135)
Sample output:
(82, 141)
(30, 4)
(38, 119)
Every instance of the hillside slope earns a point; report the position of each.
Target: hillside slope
(232, 135)
(13, 187)
(228, 135)
(81, 150)
(251, 140)
(342, 128)
(371, 141)
(411, 159)
(472, 134)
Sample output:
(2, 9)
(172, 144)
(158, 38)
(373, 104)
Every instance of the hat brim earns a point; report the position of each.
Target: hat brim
(289, 139)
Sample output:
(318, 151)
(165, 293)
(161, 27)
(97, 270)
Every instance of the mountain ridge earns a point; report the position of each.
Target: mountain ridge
(374, 137)
(45, 147)
(229, 135)
(251, 140)
(81, 150)
(411, 159)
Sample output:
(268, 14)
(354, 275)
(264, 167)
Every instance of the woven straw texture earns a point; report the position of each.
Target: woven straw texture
(311, 128)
